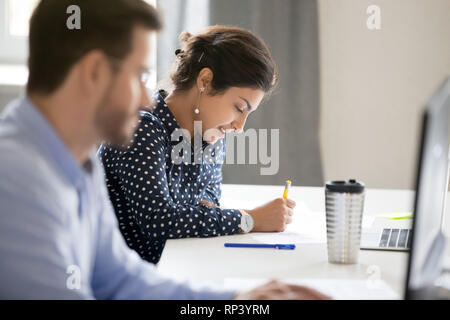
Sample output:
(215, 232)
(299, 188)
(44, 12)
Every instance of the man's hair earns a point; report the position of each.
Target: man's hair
(106, 25)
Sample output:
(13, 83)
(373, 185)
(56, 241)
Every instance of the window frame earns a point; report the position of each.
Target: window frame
(14, 48)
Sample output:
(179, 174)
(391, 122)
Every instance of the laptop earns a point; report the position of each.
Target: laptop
(396, 235)
(428, 241)
(422, 234)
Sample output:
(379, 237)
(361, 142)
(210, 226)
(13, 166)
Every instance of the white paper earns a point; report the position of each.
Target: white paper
(306, 226)
(339, 289)
(286, 238)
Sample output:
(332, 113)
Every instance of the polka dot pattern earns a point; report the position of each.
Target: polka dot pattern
(156, 199)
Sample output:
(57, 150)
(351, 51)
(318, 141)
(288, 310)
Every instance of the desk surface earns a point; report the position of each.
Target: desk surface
(206, 260)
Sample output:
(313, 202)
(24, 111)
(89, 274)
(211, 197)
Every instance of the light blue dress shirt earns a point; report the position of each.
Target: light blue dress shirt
(59, 237)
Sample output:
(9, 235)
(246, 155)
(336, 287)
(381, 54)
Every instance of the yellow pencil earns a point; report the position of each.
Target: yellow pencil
(286, 189)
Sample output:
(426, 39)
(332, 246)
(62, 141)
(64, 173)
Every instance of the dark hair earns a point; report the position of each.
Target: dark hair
(236, 57)
(106, 25)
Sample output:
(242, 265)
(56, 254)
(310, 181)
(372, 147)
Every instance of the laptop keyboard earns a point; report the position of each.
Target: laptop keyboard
(395, 238)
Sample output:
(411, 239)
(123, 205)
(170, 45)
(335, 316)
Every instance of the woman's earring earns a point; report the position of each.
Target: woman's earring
(196, 110)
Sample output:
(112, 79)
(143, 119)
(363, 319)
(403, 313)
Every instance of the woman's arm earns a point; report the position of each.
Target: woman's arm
(142, 175)
(213, 190)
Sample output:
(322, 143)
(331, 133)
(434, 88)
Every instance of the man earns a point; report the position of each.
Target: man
(58, 234)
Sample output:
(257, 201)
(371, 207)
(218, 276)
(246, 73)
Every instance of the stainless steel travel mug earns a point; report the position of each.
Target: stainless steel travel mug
(344, 202)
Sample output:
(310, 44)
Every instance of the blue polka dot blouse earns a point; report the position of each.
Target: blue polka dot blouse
(154, 197)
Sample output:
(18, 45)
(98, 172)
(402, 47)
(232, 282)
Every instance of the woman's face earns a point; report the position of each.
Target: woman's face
(227, 112)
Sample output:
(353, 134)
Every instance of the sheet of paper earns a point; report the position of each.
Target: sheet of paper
(340, 289)
(309, 227)
(306, 226)
(286, 238)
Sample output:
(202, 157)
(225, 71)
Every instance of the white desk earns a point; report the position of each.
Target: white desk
(206, 260)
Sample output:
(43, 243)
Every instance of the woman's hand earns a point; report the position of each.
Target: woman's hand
(209, 204)
(273, 216)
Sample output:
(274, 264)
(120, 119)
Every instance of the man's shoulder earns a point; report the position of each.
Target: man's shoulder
(22, 165)
(15, 148)
(13, 139)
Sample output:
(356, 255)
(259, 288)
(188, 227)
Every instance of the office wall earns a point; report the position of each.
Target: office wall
(374, 85)
(290, 30)
(9, 93)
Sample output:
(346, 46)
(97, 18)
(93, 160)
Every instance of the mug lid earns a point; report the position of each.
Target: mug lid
(350, 186)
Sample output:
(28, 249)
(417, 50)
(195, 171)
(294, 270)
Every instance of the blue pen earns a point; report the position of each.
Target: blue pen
(260, 245)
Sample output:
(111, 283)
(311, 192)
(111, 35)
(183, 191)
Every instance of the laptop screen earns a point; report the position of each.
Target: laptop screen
(431, 187)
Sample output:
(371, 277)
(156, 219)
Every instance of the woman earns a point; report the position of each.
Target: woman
(162, 187)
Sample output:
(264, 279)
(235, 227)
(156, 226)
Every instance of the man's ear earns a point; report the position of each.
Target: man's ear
(94, 72)
(204, 79)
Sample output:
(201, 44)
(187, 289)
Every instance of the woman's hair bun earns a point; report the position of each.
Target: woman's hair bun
(184, 36)
(235, 56)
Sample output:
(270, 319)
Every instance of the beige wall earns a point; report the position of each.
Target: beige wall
(374, 85)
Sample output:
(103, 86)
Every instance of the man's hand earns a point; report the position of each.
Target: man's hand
(277, 290)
